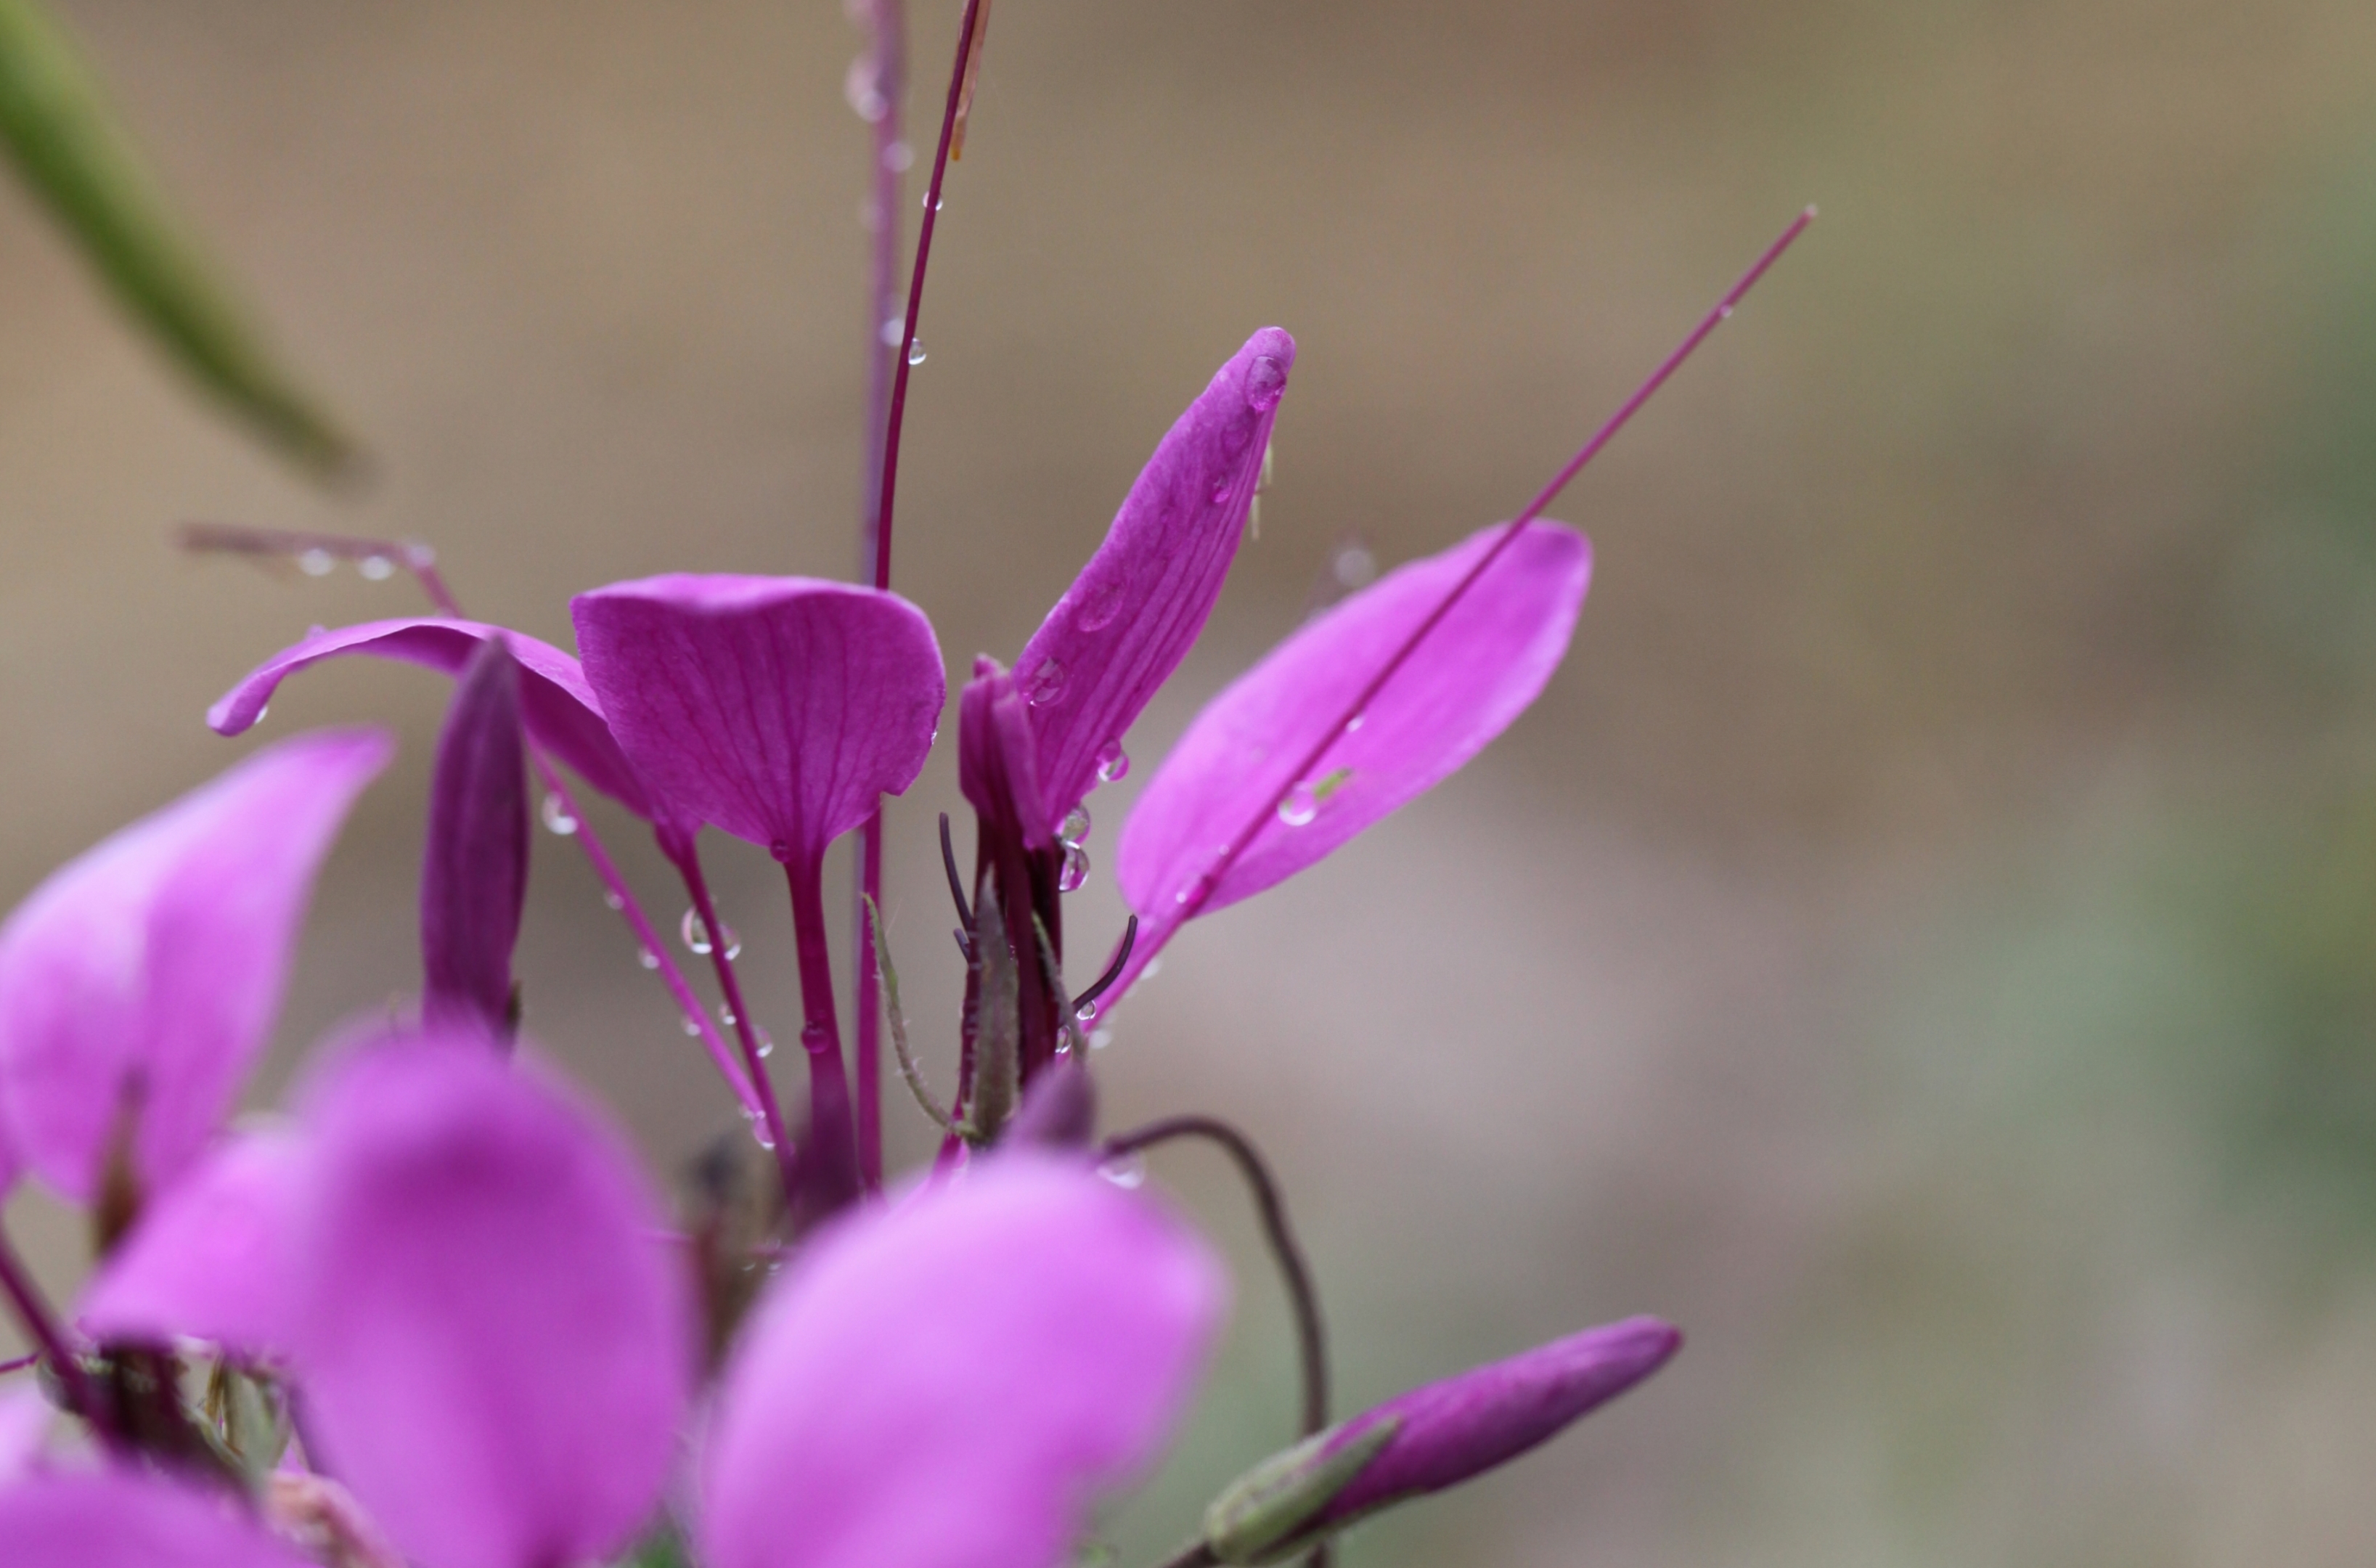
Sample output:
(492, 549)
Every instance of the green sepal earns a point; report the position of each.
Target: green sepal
(56, 126)
(1261, 1516)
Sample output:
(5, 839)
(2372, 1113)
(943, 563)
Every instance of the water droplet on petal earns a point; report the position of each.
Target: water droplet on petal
(1266, 380)
(696, 935)
(376, 568)
(1047, 685)
(1076, 870)
(1101, 605)
(1154, 967)
(916, 353)
(557, 816)
(1086, 1012)
(261, 712)
(1356, 722)
(648, 958)
(1124, 1170)
(1112, 762)
(1220, 491)
(726, 1015)
(317, 563)
(1074, 828)
(691, 1028)
(759, 1129)
(612, 902)
(766, 1044)
(893, 331)
(1724, 313)
(1299, 806)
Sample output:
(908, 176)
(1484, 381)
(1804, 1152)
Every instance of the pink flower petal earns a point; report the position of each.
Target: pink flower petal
(142, 978)
(494, 1352)
(474, 865)
(1472, 674)
(556, 704)
(209, 1260)
(121, 1519)
(776, 708)
(1130, 617)
(949, 1381)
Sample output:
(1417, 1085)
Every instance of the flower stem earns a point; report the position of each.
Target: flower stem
(1311, 1337)
(828, 1173)
(771, 1116)
(1199, 892)
(42, 1326)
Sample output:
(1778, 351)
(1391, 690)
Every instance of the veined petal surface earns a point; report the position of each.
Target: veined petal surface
(141, 979)
(495, 1349)
(776, 708)
(1472, 674)
(1130, 617)
(557, 705)
(124, 1519)
(948, 1381)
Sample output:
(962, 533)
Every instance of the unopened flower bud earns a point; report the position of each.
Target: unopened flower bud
(474, 872)
(1429, 1439)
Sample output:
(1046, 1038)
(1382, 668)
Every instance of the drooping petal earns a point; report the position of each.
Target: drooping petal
(474, 867)
(210, 1260)
(949, 1381)
(1472, 674)
(556, 704)
(776, 708)
(127, 1519)
(142, 979)
(1129, 618)
(1431, 1438)
(494, 1350)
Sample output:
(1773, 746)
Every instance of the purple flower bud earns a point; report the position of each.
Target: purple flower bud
(1429, 1439)
(474, 870)
(1059, 1108)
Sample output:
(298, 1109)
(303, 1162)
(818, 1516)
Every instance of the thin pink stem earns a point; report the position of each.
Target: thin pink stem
(829, 1167)
(1202, 888)
(916, 302)
(887, 23)
(869, 1002)
(42, 1326)
(632, 910)
(688, 865)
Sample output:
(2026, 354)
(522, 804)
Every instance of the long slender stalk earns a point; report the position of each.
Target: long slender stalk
(828, 1173)
(771, 1116)
(42, 1326)
(1195, 896)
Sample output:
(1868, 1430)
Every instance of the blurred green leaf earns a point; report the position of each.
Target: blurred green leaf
(57, 128)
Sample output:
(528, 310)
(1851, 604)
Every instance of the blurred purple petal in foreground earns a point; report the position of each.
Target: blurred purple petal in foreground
(140, 981)
(122, 1519)
(952, 1379)
(495, 1351)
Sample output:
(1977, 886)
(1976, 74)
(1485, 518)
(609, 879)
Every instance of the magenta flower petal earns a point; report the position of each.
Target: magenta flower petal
(949, 1381)
(1472, 674)
(1129, 618)
(24, 1426)
(494, 1351)
(122, 1520)
(474, 867)
(556, 704)
(141, 979)
(776, 708)
(209, 1260)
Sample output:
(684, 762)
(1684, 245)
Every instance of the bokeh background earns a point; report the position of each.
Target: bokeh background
(1924, 940)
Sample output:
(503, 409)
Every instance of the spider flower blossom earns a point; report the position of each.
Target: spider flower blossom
(495, 1353)
(140, 981)
(474, 870)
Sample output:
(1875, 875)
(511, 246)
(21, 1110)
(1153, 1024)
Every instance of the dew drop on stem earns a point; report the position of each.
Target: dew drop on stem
(557, 816)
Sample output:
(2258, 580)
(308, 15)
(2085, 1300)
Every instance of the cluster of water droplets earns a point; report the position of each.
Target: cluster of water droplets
(694, 933)
(1071, 835)
(321, 563)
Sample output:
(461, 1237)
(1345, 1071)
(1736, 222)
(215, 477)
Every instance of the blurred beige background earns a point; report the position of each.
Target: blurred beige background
(1923, 939)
